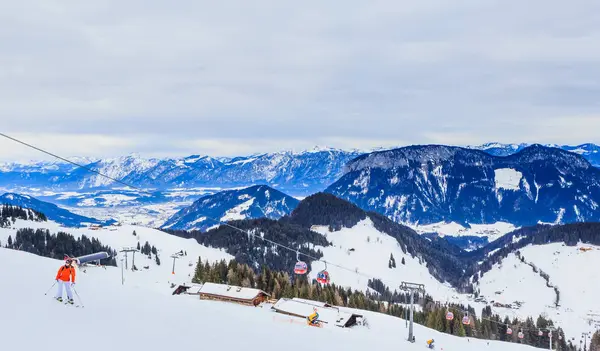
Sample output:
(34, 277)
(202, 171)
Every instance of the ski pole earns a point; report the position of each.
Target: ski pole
(79, 297)
(50, 288)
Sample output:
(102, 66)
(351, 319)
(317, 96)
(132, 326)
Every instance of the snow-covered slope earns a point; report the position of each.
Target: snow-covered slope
(367, 251)
(146, 316)
(118, 237)
(51, 211)
(575, 273)
(468, 237)
(429, 184)
(253, 202)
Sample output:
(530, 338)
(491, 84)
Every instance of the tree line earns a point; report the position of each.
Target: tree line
(9, 214)
(42, 243)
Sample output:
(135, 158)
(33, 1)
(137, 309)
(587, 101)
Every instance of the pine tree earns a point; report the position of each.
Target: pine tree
(134, 233)
(10, 242)
(138, 246)
(157, 260)
(403, 262)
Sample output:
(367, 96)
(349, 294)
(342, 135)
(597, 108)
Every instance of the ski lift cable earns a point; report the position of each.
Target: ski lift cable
(355, 271)
(552, 328)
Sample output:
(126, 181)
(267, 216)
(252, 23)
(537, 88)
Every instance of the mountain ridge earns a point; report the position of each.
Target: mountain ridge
(434, 183)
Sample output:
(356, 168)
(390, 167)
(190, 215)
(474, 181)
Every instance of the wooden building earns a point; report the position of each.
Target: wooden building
(230, 293)
(328, 314)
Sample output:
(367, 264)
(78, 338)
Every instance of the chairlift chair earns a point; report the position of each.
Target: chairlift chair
(300, 267)
(323, 276)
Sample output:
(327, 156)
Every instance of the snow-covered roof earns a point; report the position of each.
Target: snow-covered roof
(236, 292)
(313, 303)
(194, 289)
(303, 308)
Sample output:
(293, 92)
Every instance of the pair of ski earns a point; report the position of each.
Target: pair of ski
(66, 303)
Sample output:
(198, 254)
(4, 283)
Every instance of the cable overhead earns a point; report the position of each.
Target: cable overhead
(355, 271)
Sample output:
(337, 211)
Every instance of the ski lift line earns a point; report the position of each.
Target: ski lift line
(521, 329)
(355, 271)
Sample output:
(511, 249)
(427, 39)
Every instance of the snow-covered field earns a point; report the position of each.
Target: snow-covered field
(507, 178)
(146, 316)
(575, 272)
(492, 231)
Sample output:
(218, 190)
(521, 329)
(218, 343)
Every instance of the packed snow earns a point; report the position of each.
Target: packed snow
(146, 316)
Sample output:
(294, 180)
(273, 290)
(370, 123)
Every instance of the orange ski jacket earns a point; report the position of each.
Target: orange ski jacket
(65, 274)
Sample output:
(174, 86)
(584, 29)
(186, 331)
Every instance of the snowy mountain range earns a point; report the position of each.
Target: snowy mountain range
(297, 173)
(590, 152)
(52, 212)
(253, 202)
(430, 184)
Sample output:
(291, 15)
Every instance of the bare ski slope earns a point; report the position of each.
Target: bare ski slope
(130, 317)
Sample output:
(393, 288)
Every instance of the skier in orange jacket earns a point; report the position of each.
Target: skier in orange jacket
(65, 278)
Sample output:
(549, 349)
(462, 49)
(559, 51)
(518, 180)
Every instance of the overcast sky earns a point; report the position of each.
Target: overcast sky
(164, 78)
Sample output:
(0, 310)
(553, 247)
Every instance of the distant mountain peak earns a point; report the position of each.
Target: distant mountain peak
(252, 202)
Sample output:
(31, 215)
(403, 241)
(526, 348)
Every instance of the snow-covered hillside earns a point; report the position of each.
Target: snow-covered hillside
(118, 237)
(433, 183)
(491, 231)
(253, 202)
(366, 251)
(51, 211)
(573, 270)
(146, 316)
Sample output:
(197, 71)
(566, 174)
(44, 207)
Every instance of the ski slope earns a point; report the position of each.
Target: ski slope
(370, 258)
(575, 272)
(128, 317)
(118, 237)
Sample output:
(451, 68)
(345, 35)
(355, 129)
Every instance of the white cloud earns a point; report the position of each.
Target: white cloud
(235, 75)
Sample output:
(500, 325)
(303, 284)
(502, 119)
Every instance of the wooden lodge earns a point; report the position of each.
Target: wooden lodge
(224, 292)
